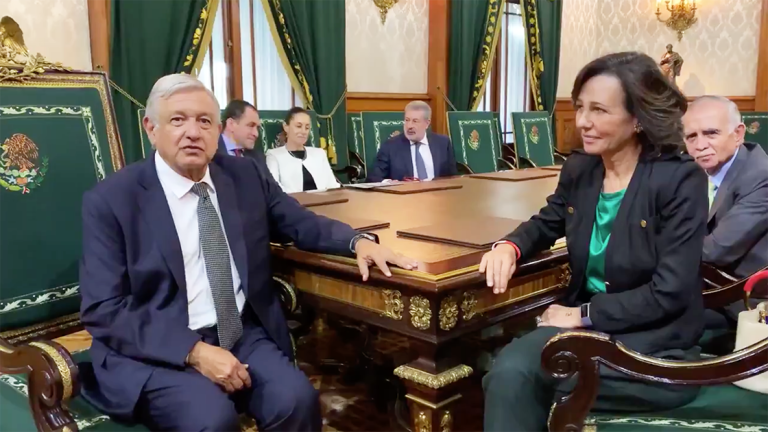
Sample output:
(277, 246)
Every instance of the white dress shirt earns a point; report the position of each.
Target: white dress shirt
(183, 204)
(426, 154)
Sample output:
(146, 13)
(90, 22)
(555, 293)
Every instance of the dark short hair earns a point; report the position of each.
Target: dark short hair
(234, 110)
(649, 97)
(292, 113)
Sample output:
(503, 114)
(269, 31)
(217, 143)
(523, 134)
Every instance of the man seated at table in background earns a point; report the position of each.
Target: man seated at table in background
(176, 282)
(417, 154)
(240, 123)
(737, 237)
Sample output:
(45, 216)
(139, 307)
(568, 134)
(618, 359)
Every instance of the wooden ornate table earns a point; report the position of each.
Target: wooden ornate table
(446, 297)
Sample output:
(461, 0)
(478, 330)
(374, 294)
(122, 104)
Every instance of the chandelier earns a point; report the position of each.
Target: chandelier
(682, 15)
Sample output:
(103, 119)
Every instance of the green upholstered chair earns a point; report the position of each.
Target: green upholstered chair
(719, 406)
(757, 128)
(58, 138)
(475, 138)
(271, 133)
(355, 141)
(378, 127)
(534, 143)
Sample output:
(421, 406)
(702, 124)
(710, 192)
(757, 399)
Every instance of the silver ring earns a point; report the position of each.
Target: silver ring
(538, 320)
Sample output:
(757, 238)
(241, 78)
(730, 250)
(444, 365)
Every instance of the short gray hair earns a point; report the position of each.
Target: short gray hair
(169, 85)
(734, 116)
(422, 106)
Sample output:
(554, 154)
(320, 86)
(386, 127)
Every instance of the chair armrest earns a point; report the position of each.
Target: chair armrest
(463, 169)
(721, 288)
(524, 162)
(353, 173)
(559, 157)
(582, 351)
(52, 380)
(505, 164)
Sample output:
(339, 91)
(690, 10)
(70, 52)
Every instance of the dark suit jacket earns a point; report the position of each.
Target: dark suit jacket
(132, 282)
(255, 154)
(394, 159)
(737, 239)
(653, 301)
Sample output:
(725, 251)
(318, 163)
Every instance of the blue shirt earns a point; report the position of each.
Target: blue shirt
(230, 144)
(718, 178)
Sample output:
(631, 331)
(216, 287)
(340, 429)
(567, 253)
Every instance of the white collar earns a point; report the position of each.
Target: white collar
(424, 140)
(175, 182)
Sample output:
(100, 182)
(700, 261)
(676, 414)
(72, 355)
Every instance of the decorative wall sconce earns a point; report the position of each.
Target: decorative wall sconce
(682, 15)
(384, 7)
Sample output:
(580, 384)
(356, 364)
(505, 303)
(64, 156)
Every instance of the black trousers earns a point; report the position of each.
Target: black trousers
(519, 394)
(281, 397)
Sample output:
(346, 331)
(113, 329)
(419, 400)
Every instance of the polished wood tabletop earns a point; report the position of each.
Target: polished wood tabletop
(476, 199)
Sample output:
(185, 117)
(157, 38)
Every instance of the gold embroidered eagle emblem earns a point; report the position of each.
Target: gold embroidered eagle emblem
(534, 135)
(474, 140)
(753, 128)
(18, 164)
(394, 134)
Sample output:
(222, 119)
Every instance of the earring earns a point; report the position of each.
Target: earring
(638, 128)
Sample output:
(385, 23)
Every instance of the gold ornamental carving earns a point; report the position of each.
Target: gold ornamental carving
(446, 422)
(564, 279)
(393, 304)
(421, 314)
(469, 305)
(433, 381)
(384, 7)
(423, 423)
(449, 313)
(16, 62)
(682, 15)
(61, 366)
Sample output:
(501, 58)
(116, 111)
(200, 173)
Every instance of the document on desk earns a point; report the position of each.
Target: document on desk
(384, 183)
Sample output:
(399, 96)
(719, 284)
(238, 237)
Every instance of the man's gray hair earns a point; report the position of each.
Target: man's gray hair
(169, 85)
(422, 106)
(734, 116)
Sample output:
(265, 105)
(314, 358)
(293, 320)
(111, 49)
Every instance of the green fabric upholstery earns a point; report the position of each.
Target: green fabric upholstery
(378, 127)
(16, 416)
(717, 408)
(533, 137)
(757, 128)
(475, 138)
(272, 128)
(58, 139)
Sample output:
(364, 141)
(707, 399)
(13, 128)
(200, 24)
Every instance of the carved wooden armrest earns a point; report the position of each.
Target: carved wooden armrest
(505, 164)
(559, 157)
(463, 168)
(52, 380)
(582, 351)
(722, 289)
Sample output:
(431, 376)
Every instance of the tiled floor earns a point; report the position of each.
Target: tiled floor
(348, 408)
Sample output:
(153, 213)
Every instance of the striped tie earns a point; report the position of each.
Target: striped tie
(712, 192)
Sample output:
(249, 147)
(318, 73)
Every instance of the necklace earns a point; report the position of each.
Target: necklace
(294, 154)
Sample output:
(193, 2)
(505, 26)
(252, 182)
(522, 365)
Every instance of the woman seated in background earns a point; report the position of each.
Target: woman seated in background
(633, 210)
(296, 167)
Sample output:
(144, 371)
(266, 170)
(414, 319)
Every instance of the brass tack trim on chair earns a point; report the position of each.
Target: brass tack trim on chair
(61, 365)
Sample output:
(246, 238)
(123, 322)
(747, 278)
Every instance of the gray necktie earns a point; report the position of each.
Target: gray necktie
(421, 169)
(218, 268)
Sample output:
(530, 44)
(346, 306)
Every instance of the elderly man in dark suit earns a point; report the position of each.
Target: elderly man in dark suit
(175, 279)
(240, 129)
(417, 154)
(737, 239)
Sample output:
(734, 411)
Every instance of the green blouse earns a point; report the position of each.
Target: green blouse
(605, 214)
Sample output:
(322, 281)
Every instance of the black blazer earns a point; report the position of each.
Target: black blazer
(394, 160)
(653, 301)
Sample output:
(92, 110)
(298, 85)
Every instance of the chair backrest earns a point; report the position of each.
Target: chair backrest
(475, 138)
(378, 127)
(271, 133)
(59, 138)
(757, 128)
(146, 145)
(533, 137)
(355, 137)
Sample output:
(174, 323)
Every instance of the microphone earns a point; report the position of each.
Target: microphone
(445, 98)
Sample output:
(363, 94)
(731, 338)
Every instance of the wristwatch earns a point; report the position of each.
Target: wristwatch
(360, 236)
(585, 320)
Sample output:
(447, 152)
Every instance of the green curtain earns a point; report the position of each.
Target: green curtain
(475, 27)
(311, 40)
(151, 39)
(543, 22)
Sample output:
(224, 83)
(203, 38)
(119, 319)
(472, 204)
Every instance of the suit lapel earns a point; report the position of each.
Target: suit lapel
(233, 225)
(156, 213)
(406, 144)
(587, 199)
(722, 191)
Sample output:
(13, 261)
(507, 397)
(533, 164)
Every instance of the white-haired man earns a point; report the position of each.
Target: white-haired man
(737, 239)
(417, 154)
(175, 279)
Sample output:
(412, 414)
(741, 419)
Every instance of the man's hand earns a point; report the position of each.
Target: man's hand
(499, 265)
(219, 366)
(561, 316)
(369, 253)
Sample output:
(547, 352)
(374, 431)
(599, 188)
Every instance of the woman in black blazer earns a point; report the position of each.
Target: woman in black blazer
(633, 210)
